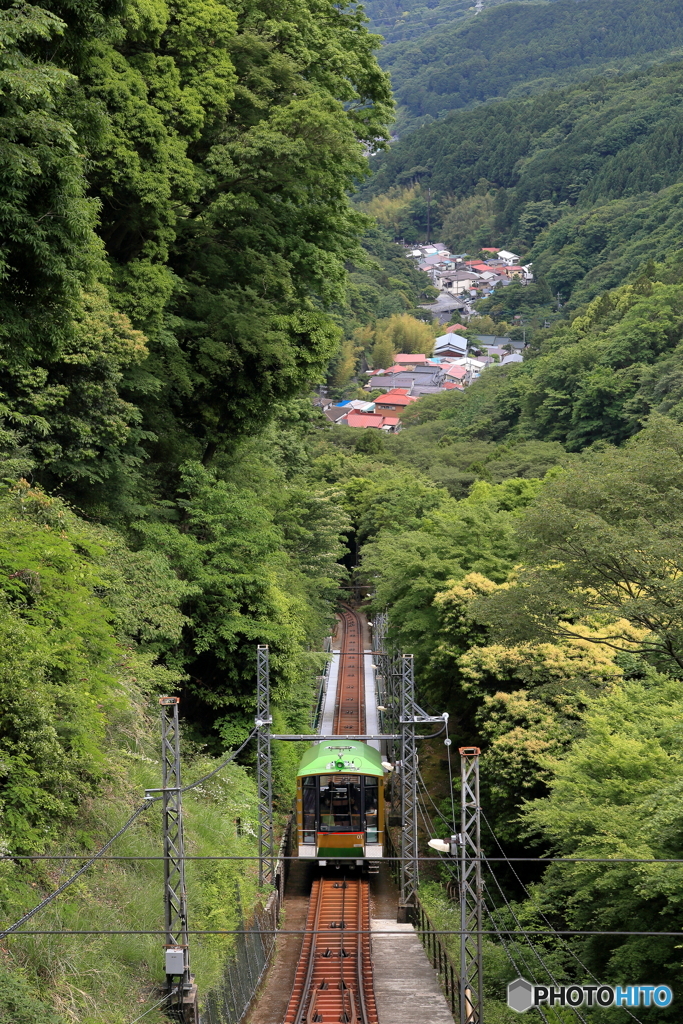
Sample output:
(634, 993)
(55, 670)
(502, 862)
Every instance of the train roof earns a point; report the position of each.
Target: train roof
(324, 757)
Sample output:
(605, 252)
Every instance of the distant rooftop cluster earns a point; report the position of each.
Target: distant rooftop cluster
(461, 280)
(455, 361)
(453, 366)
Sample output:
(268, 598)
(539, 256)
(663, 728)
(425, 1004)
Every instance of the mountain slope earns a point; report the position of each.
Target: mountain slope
(584, 180)
(524, 46)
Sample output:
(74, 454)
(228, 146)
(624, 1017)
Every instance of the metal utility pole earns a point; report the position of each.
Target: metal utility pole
(264, 769)
(409, 852)
(429, 212)
(411, 716)
(186, 1007)
(471, 975)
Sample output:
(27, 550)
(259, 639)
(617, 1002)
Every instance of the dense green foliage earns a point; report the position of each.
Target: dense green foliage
(181, 264)
(83, 622)
(219, 147)
(176, 232)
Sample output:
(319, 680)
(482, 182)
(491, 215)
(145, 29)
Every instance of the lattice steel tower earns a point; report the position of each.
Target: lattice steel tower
(175, 893)
(264, 769)
(412, 715)
(471, 974)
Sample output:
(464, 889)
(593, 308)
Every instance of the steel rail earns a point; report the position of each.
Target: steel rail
(323, 989)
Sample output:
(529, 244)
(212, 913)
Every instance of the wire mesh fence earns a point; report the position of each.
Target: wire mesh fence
(252, 954)
(321, 684)
(228, 1003)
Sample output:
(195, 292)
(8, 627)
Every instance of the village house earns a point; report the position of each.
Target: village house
(395, 401)
(454, 374)
(410, 357)
(421, 380)
(507, 257)
(335, 413)
(456, 282)
(445, 306)
(496, 352)
(472, 367)
(489, 340)
(450, 345)
(363, 420)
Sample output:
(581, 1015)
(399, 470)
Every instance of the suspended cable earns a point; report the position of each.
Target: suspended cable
(70, 881)
(246, 856)
(530, 970)
(509, 955)
(531, 945)
(162, 1000)
(149, 800)
(447, 743)
(565, 944)
(214, 771)
(451, 825)
(303, 931)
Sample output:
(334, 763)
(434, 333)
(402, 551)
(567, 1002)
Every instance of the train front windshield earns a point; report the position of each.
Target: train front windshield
(340, 803)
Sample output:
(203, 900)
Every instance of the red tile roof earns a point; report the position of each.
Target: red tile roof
(450, 385)
(390, 399)
(455, 329)
(455, 371)
(486, 249)
(371, 419)
(410, 357)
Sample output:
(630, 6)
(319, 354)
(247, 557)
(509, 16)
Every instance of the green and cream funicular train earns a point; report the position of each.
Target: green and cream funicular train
(340, 802)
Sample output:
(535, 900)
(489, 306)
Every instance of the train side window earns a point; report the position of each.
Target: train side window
(371, 805)
(309, 793)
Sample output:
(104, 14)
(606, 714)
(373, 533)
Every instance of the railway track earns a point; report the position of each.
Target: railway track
(349, 709)
(333, 980)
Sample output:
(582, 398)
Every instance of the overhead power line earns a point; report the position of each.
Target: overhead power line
(565, 945)
(70, 881)
(532, 947)
(149, 800)
(366, 931)
(510, 956)
(162, 1000)
(245, 856)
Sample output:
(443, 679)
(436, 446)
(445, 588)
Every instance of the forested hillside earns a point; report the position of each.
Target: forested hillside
(175, 231)
(439, 63)
(582, 181)
(181, 266)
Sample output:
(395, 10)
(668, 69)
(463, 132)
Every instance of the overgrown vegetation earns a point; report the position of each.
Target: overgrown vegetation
(176, 227)
(180, 267)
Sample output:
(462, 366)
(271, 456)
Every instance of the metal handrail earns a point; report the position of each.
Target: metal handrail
(437, 953)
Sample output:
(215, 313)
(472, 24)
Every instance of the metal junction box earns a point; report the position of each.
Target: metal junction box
(175, 961)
